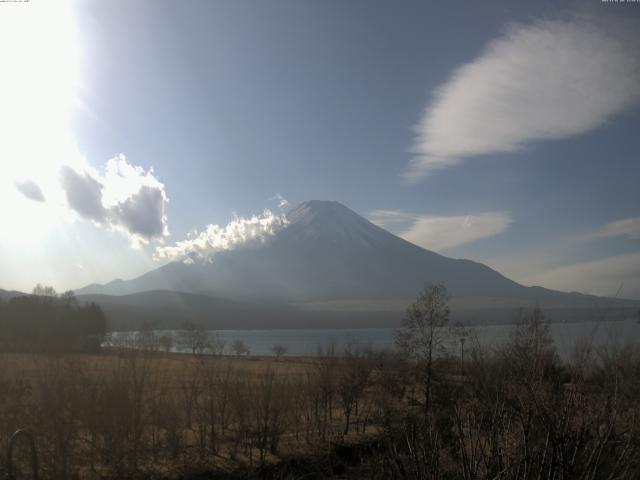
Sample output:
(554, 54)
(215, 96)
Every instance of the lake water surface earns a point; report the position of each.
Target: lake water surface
(307, 342)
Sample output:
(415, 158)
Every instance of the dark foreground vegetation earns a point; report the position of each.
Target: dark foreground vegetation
(48, 322)
(517, 412)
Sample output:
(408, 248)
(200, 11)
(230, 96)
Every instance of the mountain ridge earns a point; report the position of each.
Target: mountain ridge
(328, 252)
(329, 268)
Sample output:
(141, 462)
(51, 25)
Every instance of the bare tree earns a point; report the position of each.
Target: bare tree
(352, 379)
(279, 350)
(216, 344)
(240, 348)
(166, 342)
(323, 385)
(146, 338)
(422, 333)
(195, 338)
(530, 352)
(44, 291)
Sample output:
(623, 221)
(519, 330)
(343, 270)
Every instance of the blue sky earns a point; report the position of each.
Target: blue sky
(504, 132)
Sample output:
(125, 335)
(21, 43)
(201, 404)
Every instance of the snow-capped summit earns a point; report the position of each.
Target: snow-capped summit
(326, 252)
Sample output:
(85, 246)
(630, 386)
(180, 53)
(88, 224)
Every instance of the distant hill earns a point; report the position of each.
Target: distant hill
(6, 295)
(170, 310)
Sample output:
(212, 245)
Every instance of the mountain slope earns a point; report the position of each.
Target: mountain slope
(170, 310)
(328, 253)
(6, 295)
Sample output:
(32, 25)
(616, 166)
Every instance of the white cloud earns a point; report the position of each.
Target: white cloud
(627, 227)
(443, 232)
(282, 202)
(126, 198)
(548, 265)
(547, 80)
(214, 238)
(598, 277)
(389, 218)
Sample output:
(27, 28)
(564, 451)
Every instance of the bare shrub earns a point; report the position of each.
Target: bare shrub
(195, 338)
(240, 348)
(279, 350)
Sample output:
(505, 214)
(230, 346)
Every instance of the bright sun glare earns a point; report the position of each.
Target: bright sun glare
(37, 94)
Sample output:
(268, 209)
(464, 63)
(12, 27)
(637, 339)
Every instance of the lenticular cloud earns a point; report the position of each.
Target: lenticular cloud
(214, 238)
(546, 80)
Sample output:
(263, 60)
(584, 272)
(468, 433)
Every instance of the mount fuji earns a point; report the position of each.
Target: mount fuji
(328, 261)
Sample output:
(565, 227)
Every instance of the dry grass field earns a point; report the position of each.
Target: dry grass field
(157, 414)
(516, 412)
(25, 365)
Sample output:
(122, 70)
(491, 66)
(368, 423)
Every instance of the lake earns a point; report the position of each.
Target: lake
(307, 342)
